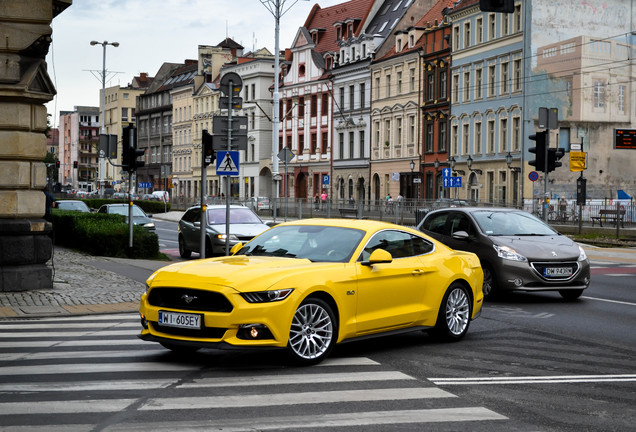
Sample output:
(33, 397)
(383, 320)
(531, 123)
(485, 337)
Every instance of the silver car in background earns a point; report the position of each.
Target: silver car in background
(517, 250)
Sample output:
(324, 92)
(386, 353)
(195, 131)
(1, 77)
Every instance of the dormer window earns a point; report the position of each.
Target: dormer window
(353, 53)
(338, 32)
(328, 63)
(411, 41)
(301, 70)
(398, 45)
(364, 50)
(350, 29)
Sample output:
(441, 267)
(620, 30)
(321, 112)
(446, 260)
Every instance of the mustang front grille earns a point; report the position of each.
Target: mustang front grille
(189, 299)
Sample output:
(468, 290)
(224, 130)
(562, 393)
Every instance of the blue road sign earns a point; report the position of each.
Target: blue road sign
(452, 181)
(533, 176)
(446, 172)
(145, 185)
(227, 163)
(325, 179)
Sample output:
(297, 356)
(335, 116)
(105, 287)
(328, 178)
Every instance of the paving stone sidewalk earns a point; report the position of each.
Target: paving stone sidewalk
(79, 287)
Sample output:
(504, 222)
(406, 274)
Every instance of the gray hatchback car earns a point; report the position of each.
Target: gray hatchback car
(244, 225)
(517, 250)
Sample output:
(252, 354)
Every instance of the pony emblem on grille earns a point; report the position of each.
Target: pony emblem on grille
(188, 298)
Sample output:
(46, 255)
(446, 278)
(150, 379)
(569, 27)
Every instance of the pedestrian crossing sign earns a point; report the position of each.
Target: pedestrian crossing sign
(227, 163)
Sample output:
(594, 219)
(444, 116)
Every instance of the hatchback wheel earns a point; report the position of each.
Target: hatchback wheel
(313, 332)
(453, 318)
(490, 282)
(185, 253)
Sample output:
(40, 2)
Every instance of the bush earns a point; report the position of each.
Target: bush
(102, 234)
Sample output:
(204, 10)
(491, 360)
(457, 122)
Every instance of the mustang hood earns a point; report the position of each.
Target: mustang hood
(242, 273)
(540, 247)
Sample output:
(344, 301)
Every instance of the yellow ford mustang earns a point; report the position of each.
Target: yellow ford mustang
(310, 284)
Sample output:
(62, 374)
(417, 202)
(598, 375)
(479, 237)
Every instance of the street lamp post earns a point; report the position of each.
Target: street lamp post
(103, 122)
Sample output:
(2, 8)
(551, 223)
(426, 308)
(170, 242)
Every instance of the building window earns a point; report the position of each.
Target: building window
(314, 105)
(621, 98)
(412, 79)
(325, 142)
(351, 144)
(516, 18)
(491, 27)
(441, 145)
(466, 34)
(399, 82)
(324, 104)
(478, 83)
(314, 142)
(516, 133)
(455, 88)
(429, 137)
(361, 143)
(504, 77)
(411, 130)
(430, 83)
(517, 75)
(465, 138)
(454, 139)
(466, 86)
(352, 97)
(456, 36)
(388, 85)
(376, 125)
(505, 24)
(387, 131)
(341, 91)
(479, 30)
(377, 87)
(492, 81)
(341, 146)
(477, 144)
(599, 94)
(363, 99)
(503, 130)
(491, 136)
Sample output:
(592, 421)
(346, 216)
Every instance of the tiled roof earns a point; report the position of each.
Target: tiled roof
(434, 13)
(461, 4)
(324, 18)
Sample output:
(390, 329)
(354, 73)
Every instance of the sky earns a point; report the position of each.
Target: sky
(151, 32)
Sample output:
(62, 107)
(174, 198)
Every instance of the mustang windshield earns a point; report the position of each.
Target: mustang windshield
(313, 242)
(511, 224)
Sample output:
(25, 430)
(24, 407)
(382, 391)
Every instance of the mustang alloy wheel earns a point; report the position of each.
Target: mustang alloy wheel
(454, 314)
(313, 332)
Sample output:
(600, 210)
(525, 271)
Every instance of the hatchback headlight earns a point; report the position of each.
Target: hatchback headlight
(149, 225)
(509, 253)
(222, 237)
(267, 296)
(582, 254)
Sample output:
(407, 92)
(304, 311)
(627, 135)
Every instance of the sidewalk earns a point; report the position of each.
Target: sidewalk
(85, 284)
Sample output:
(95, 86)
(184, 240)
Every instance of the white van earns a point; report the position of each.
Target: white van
(162, 195)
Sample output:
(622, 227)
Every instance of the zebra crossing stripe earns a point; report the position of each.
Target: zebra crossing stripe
(80, 368)
(301, 398)
(534, 379)
(309, 422)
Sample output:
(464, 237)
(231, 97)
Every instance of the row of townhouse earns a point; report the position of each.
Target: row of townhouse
(377, 97)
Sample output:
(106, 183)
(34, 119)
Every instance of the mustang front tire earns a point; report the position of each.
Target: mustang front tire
(313, 332)
(454, 314)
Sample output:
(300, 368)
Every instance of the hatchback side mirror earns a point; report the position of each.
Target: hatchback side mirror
(461, 235)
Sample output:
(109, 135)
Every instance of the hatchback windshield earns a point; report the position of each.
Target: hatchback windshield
(123, 210)
(511, 223)
(314, 242)
(237, 216)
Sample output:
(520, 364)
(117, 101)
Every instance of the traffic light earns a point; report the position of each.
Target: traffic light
(74, 164)
(554, 155)
(507, 6)
(208, 150)
(129, 151)
(57, 164)
(538, 150)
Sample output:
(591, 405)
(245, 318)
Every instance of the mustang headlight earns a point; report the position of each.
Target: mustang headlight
(509, 253)
(267, 296)
(582, 254)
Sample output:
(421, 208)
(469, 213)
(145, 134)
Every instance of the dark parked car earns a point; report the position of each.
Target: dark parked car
(244, 225)
(139, 216)
(517, 250)
(72, 205)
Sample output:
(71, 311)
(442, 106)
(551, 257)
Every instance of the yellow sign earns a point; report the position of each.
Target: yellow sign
(578, 161)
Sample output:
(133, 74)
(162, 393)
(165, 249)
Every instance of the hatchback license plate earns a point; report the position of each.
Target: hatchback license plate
(176, 319)
(558, 271)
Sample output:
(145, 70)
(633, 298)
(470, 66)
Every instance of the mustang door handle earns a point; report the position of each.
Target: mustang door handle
(417, 272)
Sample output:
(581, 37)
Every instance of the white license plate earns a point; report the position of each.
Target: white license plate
(558, 271)
(177, 319)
